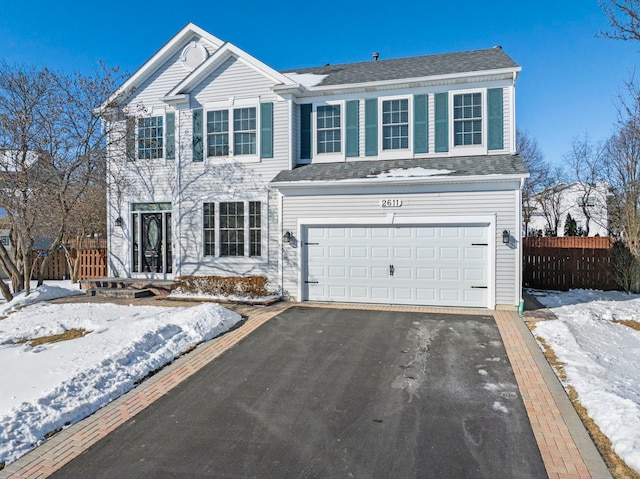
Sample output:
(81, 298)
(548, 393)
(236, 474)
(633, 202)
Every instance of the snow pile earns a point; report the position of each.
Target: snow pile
(43, 293)
(411, 173)
(54, 384)
(306, 79)
(601, 360)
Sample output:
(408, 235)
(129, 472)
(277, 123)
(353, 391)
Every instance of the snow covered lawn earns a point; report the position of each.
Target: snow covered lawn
(601, 359)
(55, 384)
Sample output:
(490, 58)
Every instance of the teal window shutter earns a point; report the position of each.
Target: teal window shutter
(197, 135)
(496, 120)
(442, 122)
(266, 130)
(420, 124)
(305, 131)
(371, 127)
(130, 139)
(170, 153)
(353, 128)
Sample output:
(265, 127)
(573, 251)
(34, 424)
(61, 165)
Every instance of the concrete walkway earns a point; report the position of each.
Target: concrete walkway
(565, 446)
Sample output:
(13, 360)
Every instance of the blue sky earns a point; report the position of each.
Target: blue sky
(567, 87)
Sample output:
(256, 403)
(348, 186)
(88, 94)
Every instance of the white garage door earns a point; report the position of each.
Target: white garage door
(428, 265)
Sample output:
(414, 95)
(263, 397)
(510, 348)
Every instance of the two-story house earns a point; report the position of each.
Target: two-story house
(386, 181)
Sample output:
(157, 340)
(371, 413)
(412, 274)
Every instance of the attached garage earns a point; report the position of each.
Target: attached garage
(441, 265)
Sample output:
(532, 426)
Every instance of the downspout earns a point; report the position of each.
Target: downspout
(519, 275)
(177, 200)
(280, 241)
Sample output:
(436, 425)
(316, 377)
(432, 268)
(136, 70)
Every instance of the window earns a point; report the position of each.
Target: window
(6, 240)
(150, 134)
(244, 131)
(467, 119)
(255, 229)
(238, 233)
(218, 133)
(395, 124)
(328, 124)
(209, 224)
(232, 229)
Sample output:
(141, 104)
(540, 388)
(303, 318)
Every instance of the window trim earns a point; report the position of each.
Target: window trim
(395, 152)
(336, 155)
(468, 149)
(246, 202)
(231, 108)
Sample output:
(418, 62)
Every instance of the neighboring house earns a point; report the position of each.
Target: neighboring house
(391, 181)
(586, 204)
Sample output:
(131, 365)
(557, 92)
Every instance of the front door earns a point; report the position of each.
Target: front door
(152, 242)
(152, 233)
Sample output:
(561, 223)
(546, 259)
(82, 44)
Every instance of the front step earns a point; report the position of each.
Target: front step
(119, 293)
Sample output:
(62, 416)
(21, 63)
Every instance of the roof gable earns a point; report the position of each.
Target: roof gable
(179, 41)
(226, 51)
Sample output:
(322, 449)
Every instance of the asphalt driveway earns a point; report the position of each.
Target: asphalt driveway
(324, 393)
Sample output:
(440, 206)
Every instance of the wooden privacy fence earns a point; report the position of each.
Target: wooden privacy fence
(93, 261)
(567, 263)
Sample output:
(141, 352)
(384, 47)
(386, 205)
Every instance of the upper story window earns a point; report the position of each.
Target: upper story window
(467, 119)
(243, 130)
(150, 138)
(328, 126)
(395, 124)
(218, 133)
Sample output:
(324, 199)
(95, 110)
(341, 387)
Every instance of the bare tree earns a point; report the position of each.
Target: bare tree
(587, 161)
(528, 149)
(53, 152)
(624, 19)
(549, 200)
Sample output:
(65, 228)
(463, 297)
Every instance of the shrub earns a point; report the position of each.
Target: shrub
(223, 286)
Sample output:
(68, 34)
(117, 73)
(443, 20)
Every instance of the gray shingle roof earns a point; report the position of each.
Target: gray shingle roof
(411, 67)
(454, 166)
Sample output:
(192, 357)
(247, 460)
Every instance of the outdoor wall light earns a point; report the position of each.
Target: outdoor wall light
(506, 236)
(119, 222)
(287, 237)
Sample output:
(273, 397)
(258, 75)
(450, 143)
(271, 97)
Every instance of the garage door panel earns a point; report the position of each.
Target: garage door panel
(475, 253)
(381, 293)
(402, 294)
(380, 252)
(359, 272)
(403, 273)
(379, 272)
(449, 274)
(425, 253)
(358, 252)
(474, 275)
(402, 252)
(433, 265)
(450, 253)
(426, 274)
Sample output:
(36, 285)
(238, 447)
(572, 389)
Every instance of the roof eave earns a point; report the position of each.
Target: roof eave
(510, 74)
(421, 180)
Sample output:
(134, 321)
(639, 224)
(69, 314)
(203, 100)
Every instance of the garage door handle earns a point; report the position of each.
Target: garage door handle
(478, 287)
(391, 270)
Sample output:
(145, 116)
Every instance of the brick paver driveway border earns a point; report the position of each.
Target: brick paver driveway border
(565, 446)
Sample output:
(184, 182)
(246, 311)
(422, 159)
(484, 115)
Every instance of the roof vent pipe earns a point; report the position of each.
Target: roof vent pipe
(375, 56)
